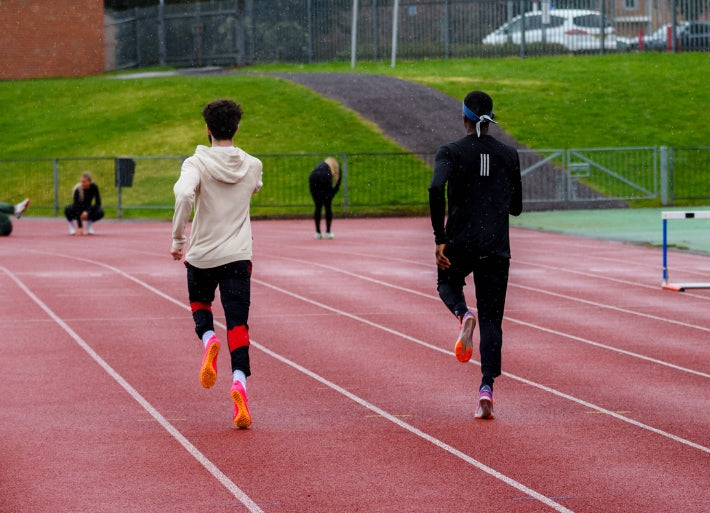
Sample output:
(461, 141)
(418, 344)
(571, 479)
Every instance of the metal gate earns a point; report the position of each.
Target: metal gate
(608, 176)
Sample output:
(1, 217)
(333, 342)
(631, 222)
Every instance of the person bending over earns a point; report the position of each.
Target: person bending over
(324, 183)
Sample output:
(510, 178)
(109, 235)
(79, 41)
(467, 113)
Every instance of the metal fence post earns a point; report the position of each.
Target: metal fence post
(119, 209)
(161, 33)
(663, 156)
(375, 31)
(522, 29)
(671, 176)
(353, 35)
(395, 35)
(602, 28)
(447, 30)
(139, 54)
(56, 186)
(309, 31)
(345, 182)
(674, 24)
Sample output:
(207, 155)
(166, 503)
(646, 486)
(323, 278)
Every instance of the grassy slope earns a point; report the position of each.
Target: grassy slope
(97, 116)
(576, 102)
(555, 102)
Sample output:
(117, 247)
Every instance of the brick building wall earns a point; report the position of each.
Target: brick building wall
(51, 38)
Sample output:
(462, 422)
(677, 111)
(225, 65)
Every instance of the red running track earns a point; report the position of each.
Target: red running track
(357, 399)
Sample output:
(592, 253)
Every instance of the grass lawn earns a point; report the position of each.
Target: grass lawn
(102, 116)
(614, 100)
(644, 99)
(648, 99)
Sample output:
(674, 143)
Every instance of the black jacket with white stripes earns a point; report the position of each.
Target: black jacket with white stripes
(484, 187)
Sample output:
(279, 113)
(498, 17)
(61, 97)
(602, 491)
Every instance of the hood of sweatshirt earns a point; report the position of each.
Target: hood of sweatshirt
(224, 164)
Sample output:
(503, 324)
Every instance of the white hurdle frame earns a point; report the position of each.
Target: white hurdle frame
(676, 214)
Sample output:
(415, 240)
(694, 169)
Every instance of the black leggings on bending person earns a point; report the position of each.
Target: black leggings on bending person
(322, 193)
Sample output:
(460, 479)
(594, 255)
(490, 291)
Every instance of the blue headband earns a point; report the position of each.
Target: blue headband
(486, 118)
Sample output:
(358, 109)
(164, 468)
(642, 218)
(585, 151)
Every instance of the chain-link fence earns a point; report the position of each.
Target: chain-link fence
(378, 183)
(689, 174)
(239, 32)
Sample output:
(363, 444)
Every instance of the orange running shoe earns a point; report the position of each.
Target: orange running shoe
(208, 370)
(464, 344)
(242, 417)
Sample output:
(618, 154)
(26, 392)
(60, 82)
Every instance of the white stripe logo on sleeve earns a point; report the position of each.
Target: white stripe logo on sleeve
(485, 164)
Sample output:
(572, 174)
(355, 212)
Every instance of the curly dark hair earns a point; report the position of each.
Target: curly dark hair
(222, 118)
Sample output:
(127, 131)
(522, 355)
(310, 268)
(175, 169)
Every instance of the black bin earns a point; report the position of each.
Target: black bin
(125, 169)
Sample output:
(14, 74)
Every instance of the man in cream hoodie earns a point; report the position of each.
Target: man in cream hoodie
(218, 182)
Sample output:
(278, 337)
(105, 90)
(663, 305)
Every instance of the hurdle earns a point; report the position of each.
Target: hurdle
(676, 214)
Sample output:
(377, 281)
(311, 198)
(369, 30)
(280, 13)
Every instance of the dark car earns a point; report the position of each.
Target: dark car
(660, 38)
(690, 36)
(695, 36)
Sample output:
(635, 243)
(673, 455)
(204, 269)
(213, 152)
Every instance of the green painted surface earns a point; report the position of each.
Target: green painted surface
(642, 226)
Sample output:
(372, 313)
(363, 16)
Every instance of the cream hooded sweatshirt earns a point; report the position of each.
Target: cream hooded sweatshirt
(218, 182)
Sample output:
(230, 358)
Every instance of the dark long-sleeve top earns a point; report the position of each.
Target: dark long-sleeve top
(91, 195)
(484, 188)
(322, 178)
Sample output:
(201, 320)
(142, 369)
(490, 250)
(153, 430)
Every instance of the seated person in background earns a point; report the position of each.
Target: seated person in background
(86, 206)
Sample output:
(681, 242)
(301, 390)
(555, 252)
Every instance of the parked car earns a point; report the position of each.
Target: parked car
(659, 39)
(575, 29)
(627, 43)
(656, 40)
(695, 36)
(690, 35)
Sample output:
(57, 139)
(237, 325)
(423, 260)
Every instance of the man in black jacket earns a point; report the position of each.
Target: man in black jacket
(480, 178)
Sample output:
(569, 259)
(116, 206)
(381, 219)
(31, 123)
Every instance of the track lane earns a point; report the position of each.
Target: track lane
(650, 378)
(544, 443)
(88, 442)
(416, 471)
(507, 434)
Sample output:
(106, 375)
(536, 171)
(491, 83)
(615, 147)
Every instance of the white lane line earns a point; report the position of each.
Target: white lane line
(421, 434)
(520, 261)
(201, 458)
(597, 276)
(525, 323)
(507, 374)
(611, 348)
(611, 307)
(390, 417)
(215, 471)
